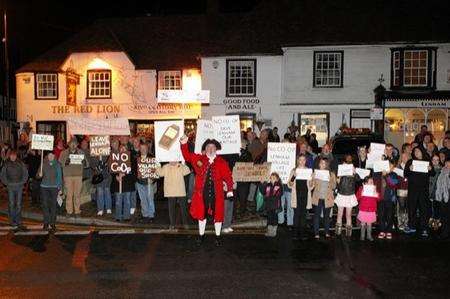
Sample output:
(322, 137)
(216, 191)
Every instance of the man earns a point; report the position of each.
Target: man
(276, 137)
(14, 175)
(211, 171)
(33, 161)
(144, 187)
(326, 153)
(314, 143)
(302, 148)
(73, 175)
(390, 152)
(419, 137)
(255, 147)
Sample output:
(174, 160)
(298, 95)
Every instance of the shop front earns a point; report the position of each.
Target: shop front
(404, 116)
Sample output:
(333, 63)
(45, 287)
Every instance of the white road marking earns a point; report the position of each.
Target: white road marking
(117, 232)
(73, 232)
(5, 228)
(32, 233)
(153, 231)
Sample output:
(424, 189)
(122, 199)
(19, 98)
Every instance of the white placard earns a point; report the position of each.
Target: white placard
(362, 173)
(345, 169)
(282, 159)
(42, 142)
(167, 149)
(380, 166)
(420, 166)
(76, 159)
(322, 175)
(227, 131)
(205, 131)
(377, 148)
(369, 190)
(91, 126)
(399, 172)
(303, 173)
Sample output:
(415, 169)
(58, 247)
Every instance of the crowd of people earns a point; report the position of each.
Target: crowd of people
(409, 203)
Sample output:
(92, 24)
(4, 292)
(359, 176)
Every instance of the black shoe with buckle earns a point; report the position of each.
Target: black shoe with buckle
(218, 242)
(200, 240)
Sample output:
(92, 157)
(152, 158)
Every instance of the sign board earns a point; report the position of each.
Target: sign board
(205, 131)
(76, 159)
(100, 146)
(345, 170)
(303, 173)
(183, 96)
(249, 172)
(90, 126)
(227, 131)
(376, 113)
(146, 168)
(167, 140)
(42, 142)
(420, 166)
(120, 162)
(282, 158)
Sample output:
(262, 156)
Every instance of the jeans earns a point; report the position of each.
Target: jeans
(172, 201)
(48, 199)
(123, 204)
(133, 199)
(242, 191)
(418, 200)
(300, 214)
(15, 205)
(104, 201)
(385, 215)
(326, 217)
(402, 213)
(286, 206)
(228, 213)
(146, 195)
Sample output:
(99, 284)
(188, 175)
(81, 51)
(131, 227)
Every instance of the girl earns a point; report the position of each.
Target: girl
(272, 192)
(389, 183)
(300, 196)
(402, 194)
(323, 198)
(346, 199)
(434, 222)
(367, 209)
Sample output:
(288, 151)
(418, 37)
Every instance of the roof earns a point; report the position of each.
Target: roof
(177, 41)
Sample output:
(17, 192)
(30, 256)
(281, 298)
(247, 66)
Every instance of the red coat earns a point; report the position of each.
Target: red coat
(220, 173)
(367, 203)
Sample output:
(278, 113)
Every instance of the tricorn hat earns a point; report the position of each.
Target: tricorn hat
(211, 141)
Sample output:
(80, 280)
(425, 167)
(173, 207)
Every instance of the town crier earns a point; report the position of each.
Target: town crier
(211, 175)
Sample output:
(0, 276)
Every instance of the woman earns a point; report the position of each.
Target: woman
(300, 196)
(51, 185)
(103, 186)
(435, 206)
(418, 193)
(402, 194)
(362, 157)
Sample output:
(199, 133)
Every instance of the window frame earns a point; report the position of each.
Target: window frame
(341, 52)
(162, 71)
(88, 96)
(227, 78)
(36, 92)
(327, 117)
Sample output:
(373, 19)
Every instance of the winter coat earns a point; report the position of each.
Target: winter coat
(291, 185)
(329, 201)
(174, 179)
(443, 186)
(367, 203)
(71, 170)
(390, 184)
(14, 174)
(417, 181)
(347, 184)
(272, 195)
(51, 175)
(433, 181)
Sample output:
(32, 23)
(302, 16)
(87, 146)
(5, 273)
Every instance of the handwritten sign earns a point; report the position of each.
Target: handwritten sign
(120, 162)
(345, 170)
(146, 168)
(322, 175)
(399, 172)
(282, 158)
(42, 142)
(249, 172)
(227, 131)
(362, 173)
(380, 166)
(205, 130)
(76, 159)
(303, 173)
(100, 146)
(420, 166)
(369, 191)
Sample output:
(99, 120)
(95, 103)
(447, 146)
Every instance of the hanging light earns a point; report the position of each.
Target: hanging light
(260, 120)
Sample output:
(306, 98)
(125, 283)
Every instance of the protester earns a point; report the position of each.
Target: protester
(243, 188)
(302, 149)
(102, 182)
(59, 148)
(402, 194)
(272, 191)
(145, 187)
(33, 161)
(175, 190)
(419, 137)
(326, 153)
(14, 175)
(51, 185)
(386, 206)
(323, 198)
(367, 209)
(276, 137)
(442, 197)
(434, 221)
(314, 143)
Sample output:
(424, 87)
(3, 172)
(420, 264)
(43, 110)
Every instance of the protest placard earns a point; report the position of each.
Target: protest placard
(90, 126)
(100, 146)
(42, 142)
(205, 131)
(377, 149)
(76, 159)
(322, 175)
(282, 158)
(167, 140)
(249, 172)
(120, 162)
(380, 166)
(369, 190)
(399, 172)
(303, 173)
(420, 166)
(345, 169)
(227, 132)
(146, 168)
(362, 173)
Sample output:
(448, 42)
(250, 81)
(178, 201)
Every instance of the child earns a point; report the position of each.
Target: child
(389, 183)
(346, 199)
(367, 209)
(175, 190)
(272, 192)
(442, 196)
(323, 198)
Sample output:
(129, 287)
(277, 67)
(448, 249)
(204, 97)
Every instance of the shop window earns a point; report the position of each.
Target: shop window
(415, 118)
(169, 80)
(55, 128)
(328, 69)
(318, 123)
(394, 127)
(246, 121)
(437, 124)
(99, 84)
(241, 77)
(46, 86)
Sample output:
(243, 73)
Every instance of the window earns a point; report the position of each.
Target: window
(241, 77)
(99, 84)
(318, 123)
(328, 69)
(46, 85)
(413, 68)
(169, 80)
(55, 128)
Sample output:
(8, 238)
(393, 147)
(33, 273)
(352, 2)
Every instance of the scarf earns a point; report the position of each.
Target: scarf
(443, 186)
(211, 158)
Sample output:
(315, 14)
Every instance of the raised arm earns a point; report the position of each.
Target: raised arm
(187, 155)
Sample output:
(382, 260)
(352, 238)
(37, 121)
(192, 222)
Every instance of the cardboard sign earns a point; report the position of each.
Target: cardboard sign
(369, 190)
(100, 146)
(399, 172)
(205, 131)
(420, 166)
(322, 175)
(146, 168)
(227, 131)
(380, 166)
(303, 174)
(362, 173)
(42, 142)
(167, 140)
(249, 172)
(120, 162)
(91, 126)
(345, 170)
(76, 159)
(282, 158)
